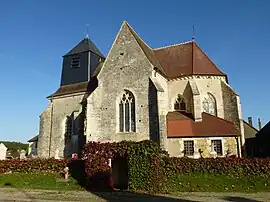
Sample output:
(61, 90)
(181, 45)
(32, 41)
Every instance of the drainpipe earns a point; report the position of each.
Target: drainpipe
(50, 141)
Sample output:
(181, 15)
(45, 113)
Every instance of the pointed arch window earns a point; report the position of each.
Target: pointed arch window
(180, 104)
(210, 105)
(127, 112)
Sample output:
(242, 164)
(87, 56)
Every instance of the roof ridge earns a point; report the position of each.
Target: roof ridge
(172, 45)
(137, 35)
(149, 54)
(218, 117)
(250, 125)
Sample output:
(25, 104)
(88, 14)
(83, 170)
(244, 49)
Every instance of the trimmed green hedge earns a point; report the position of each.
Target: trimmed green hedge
(149, 167)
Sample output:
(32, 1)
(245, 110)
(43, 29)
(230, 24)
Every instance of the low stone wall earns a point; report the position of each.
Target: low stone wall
(176, 146)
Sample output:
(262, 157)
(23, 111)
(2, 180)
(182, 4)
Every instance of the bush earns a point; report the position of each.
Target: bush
(142, 159)
(149, 167)
(33, 165)
(224, 166)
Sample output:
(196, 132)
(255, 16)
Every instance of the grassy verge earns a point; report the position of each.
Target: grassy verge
(219, 183)
(37, 181)
(180, 183)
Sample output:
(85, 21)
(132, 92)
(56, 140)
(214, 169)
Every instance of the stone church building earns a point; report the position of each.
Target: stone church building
(175, 95)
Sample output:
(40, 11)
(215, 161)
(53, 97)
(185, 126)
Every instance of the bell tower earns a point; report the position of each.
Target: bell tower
(80, 62)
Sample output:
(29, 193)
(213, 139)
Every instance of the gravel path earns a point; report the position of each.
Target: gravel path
(52, 196)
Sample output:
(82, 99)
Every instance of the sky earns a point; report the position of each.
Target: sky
(34, 35)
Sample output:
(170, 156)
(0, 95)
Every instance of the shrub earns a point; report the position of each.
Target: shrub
(149, 167)
(33, 165)
(142, 159)
(224, 166)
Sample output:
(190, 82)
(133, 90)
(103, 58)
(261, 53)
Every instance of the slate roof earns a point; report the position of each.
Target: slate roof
(180, 124)
(34, 139)
(98, 68)
(85, 45)
(72, 88)
(172, 61)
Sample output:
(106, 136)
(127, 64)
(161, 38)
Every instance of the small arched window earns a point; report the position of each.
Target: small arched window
(210, 105)
(180, 104)
(127, 112)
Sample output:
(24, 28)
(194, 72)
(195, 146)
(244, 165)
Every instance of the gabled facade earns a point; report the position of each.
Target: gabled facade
(175, 95)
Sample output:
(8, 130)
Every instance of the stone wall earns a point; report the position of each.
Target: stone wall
(205, 84)
(230, 104)
(126, 68)
(44, 132)
(52, 126)
(233, 112)
(176, 145)
(162, 106)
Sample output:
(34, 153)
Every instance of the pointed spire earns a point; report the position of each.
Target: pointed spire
(193, 33)
(86, 36)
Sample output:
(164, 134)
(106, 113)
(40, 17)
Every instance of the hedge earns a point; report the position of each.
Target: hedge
(224, 166)
(149, 167)
(33, 165)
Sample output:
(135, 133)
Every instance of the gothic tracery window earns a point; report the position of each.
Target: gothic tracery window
(127, 112)
(180, 104)
(209, 104)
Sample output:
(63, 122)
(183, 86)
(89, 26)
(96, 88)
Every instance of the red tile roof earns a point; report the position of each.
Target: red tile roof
(180, 125)
(185, 59)
(178, 60)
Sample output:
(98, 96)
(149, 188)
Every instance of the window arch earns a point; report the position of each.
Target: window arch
(210, 105)
(127, 112)
(180, 104)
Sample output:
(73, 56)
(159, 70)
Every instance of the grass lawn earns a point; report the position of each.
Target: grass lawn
(37, 181)
(219, 183)
(181, 183)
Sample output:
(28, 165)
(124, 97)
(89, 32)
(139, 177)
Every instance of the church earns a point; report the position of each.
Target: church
(174, 95)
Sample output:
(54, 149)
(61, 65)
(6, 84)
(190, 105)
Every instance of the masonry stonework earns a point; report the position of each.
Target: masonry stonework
(232, 112)
(52, 125)
(44, 132)
(131, 65)
(176, 145)
(126, 68)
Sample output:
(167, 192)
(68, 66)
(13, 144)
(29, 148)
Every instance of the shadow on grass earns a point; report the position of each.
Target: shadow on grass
(123, 196)
(238, 199)
(99, 185)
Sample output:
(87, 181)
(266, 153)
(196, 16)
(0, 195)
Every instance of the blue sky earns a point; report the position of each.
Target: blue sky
(36, 34)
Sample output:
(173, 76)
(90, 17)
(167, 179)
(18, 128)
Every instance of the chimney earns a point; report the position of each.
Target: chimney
(250, 120)
(259, 124)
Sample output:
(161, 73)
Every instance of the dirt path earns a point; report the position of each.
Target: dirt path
(52, 196)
